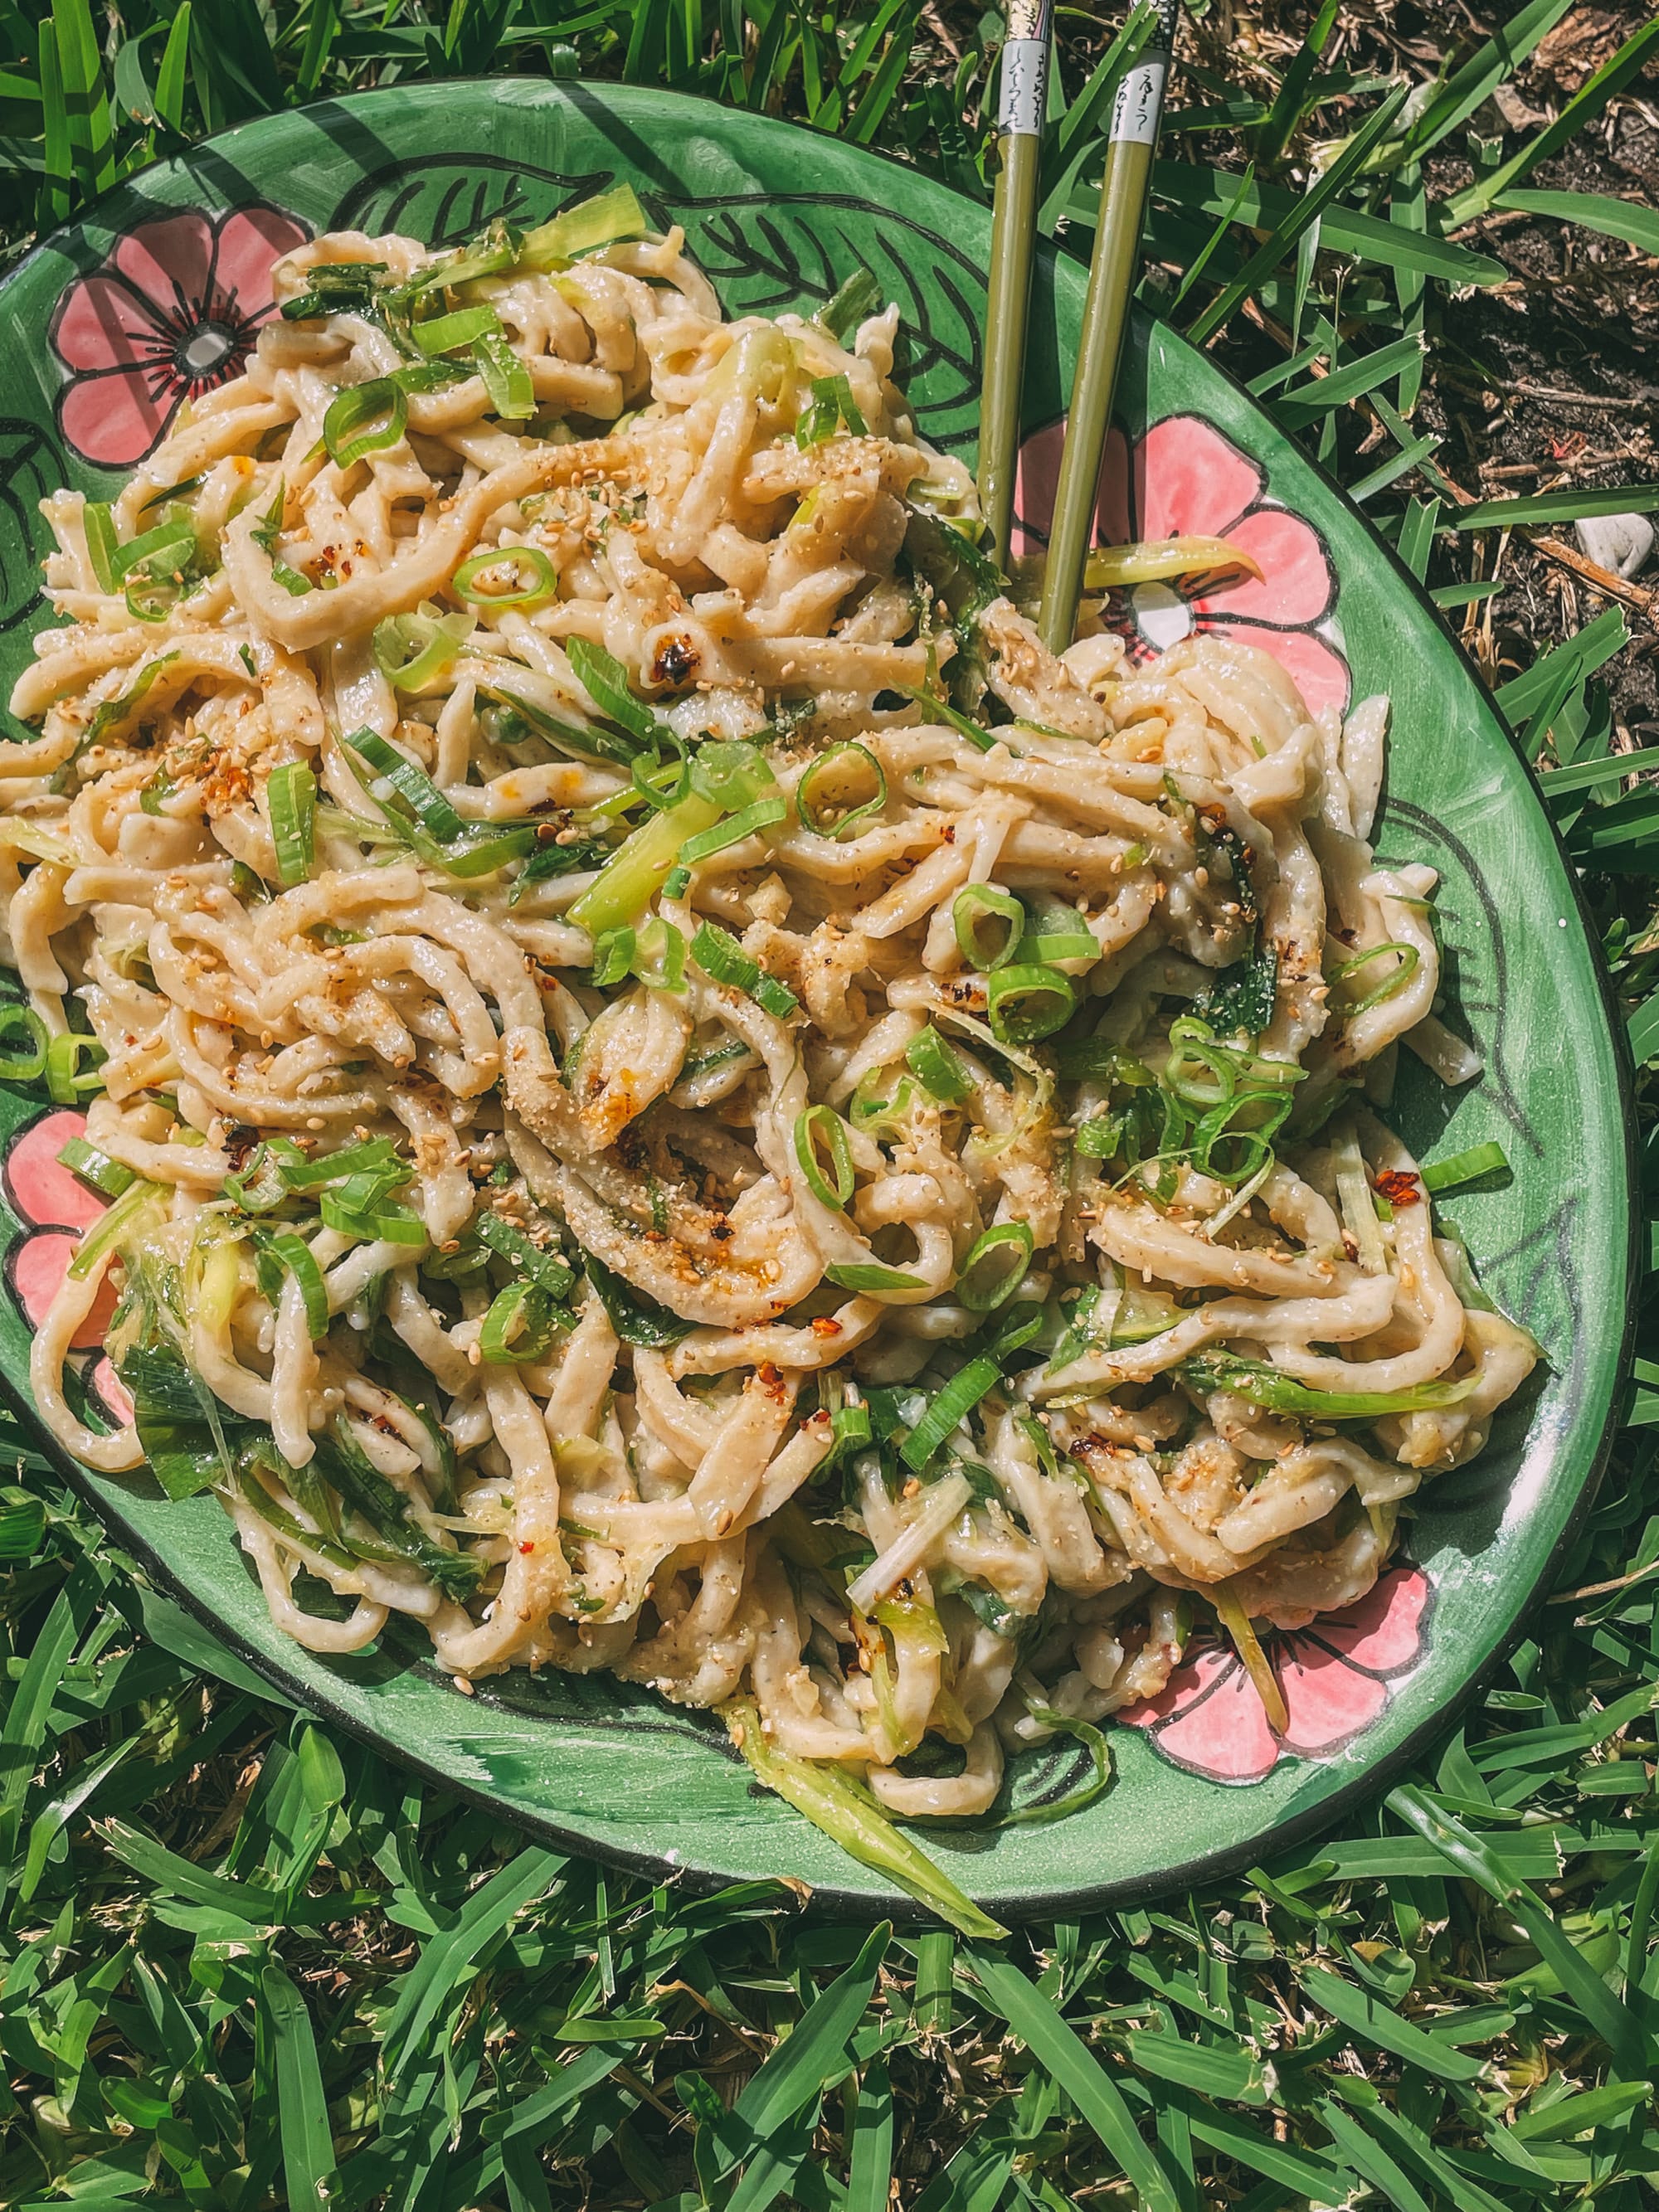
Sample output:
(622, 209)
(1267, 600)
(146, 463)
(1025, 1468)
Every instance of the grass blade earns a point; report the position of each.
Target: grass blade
(1584, 106)
(870, 2173)
(1286, 110)
(308, 2141)
(812, 2058)
(1370, 2018)
(1636, 225)
(1055, 2044)
(87, 100)
(1290, 226)
(1557, 507)
(30, 1707)
(1218, 193)
(1308, 402)
(1480, 77)
(1479, 1860)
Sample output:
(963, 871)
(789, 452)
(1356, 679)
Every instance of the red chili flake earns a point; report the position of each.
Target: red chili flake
(527, 1546)
(1399, 1186)
(826, 1325)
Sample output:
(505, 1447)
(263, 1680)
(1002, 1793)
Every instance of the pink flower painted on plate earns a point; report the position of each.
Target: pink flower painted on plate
(173, 309)
(1185, 479)
(57, 1208)
(1336, 1677)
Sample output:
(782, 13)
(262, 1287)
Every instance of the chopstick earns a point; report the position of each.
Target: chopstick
(1130, 147)
(1022, 112)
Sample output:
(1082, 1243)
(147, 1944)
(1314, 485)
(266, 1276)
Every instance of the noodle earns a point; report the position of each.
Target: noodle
(710, 1109)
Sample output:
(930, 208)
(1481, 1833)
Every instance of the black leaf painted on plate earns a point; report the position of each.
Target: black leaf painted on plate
(31, 467)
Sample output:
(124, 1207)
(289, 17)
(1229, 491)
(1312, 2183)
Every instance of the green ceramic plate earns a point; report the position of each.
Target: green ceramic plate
(107, 326)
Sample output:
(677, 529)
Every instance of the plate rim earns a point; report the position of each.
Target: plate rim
(1371, 1783)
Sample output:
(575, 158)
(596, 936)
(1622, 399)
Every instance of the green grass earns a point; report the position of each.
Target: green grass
(243, 1962)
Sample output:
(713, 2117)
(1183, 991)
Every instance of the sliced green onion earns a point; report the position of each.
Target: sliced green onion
(446, 333)
(1026, 1004)
(99, 527)
(1116, 567)
(388, 1224)
(154, 569)
(25, 1066)
(543, 584)
(1100, 1137)
(871, 1282)
(65, 1081)
(170, 546)
(676, 882)
(152, 599)
(364, 418)
(760, 815)
(1280, 1392)
(639, 867)
(879, 1117)
(259, 1187)
(938, 1068)
(265, 536)
(1074, 1801)
(1233, 1150)
(857, 297)
(337, 287)
(1402, 975)
(1098, 1058)
(295, 1256)
(613, 955)
(605, 679)
(1056, 931)
(546, 1270)
(487, 854)
(108, 1232)
(728, 1057)
(1479, 1161)
(419, 376)
(108, 1177)
(155, 792)
(520, 1325)
(637, 1318)
(291, 795)
(980, 913)
(845, 1812)
(732, 772)
(591, 224)
(831, 404)
(412, 785)
(948, 1408)
(365, 1191)
(941, 710)
(849, 1416)
(995, 1267)
(507, 378)
(375, 1156)
(822, 799)
(650, 778)
(723, 960)
(660, 955)
(824, 1152)
(412, 651)
(491, 253)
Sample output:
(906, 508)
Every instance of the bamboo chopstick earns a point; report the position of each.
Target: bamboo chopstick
(1130, 146)
(1024, 110)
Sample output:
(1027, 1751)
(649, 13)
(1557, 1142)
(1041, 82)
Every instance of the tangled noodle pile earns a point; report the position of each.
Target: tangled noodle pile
(686, 1099)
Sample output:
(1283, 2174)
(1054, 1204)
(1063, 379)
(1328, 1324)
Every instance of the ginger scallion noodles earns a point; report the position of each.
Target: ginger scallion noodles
(700, 1106)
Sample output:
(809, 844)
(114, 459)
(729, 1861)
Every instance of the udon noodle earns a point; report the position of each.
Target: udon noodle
(687, 1100)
